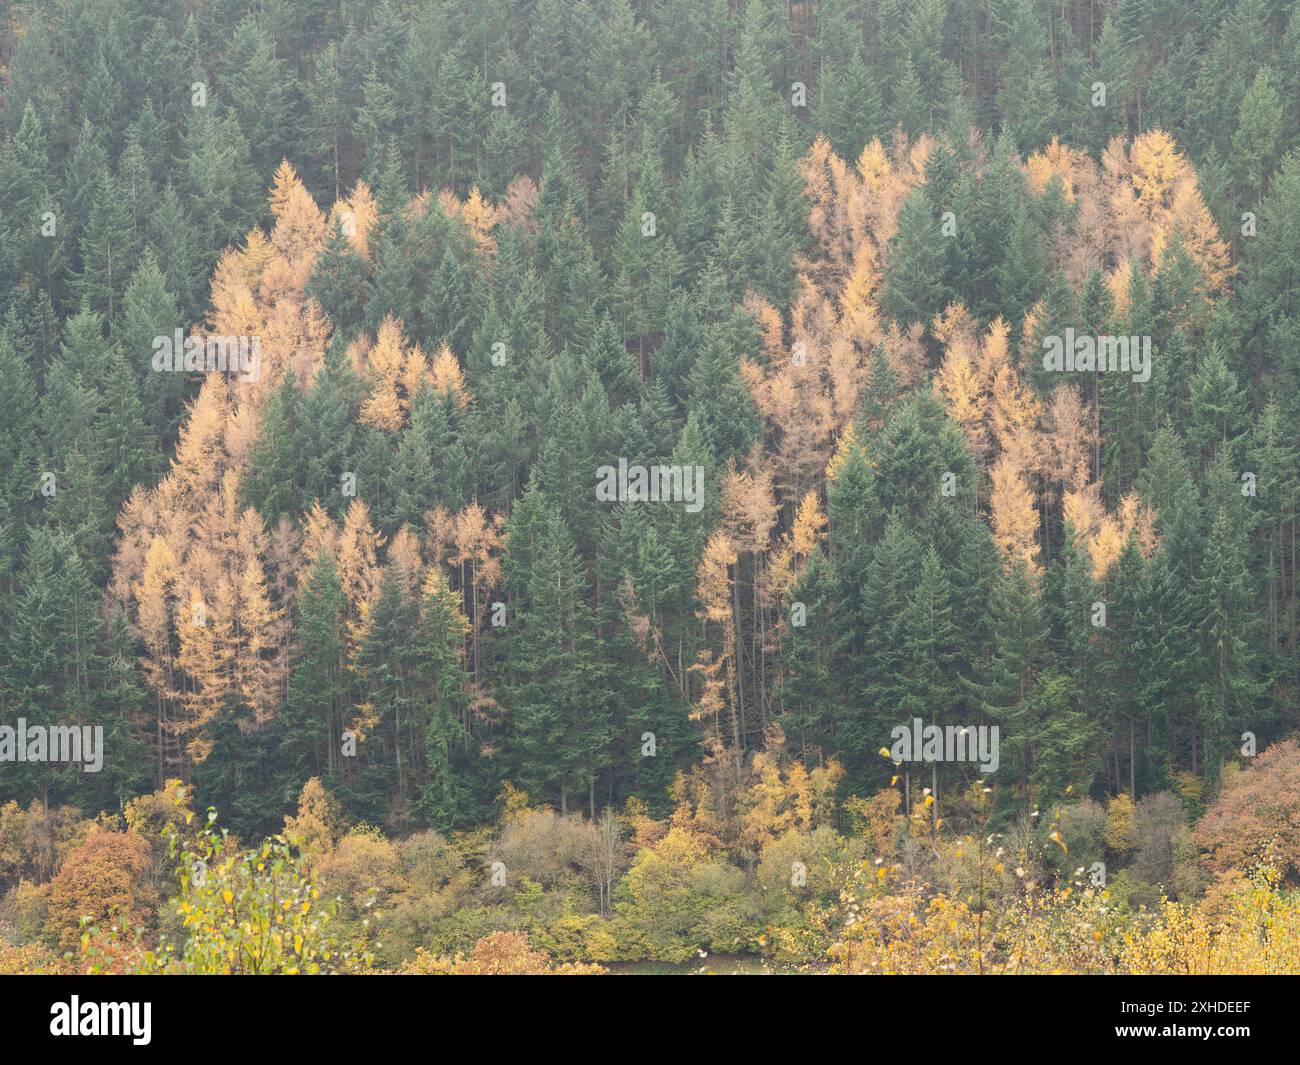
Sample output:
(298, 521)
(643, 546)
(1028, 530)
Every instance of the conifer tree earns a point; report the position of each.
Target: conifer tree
(1228, 696)
(914, 276)
(441, 673)
(311, 725)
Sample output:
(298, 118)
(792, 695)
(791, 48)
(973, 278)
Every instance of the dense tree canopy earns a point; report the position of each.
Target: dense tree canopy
(319, 322)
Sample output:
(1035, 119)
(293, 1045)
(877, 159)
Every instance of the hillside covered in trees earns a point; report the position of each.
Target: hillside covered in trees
(324, 323)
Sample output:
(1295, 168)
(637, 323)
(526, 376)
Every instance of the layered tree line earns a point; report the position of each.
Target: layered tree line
(813, 248)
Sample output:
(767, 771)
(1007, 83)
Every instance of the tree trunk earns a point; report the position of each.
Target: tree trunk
(1132, 758)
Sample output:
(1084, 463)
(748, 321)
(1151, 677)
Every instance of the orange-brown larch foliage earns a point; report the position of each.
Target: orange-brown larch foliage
(394, 371)
(1015, 519)
(1153, 191)
(811, 394)
(356, 216)
(1104, 534)
(358, 555)
(1067, 441)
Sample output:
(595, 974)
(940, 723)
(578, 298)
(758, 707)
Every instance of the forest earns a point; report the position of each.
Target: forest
(636, 486)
